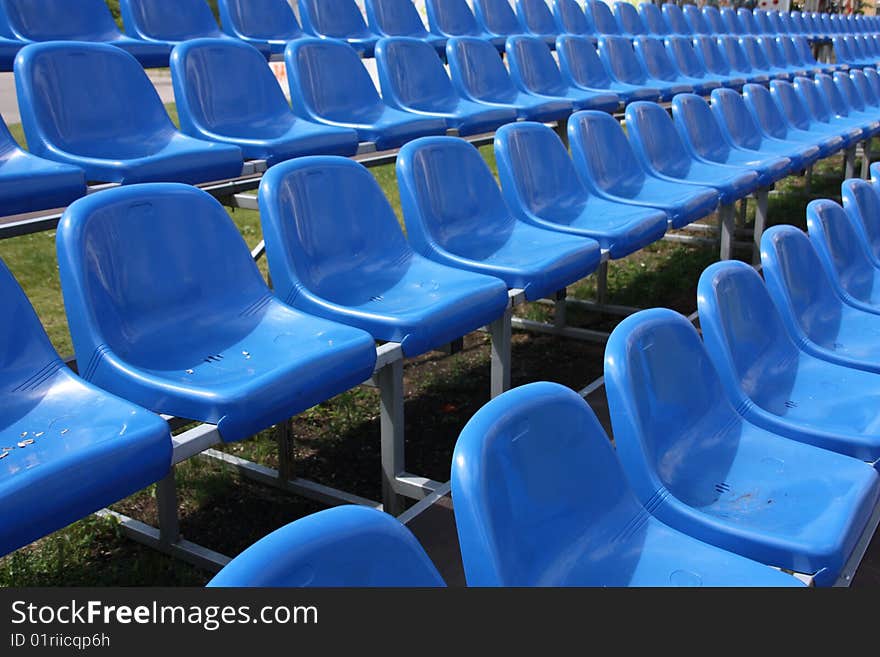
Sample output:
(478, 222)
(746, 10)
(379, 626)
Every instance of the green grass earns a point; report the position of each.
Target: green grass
(337, 441)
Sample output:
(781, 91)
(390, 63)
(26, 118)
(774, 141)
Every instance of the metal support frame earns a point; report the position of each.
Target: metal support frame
(865, 152)
(762, 200)
(727, 228)
(390, 382)
(849, 162)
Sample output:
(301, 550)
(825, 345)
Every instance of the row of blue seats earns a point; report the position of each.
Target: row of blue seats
(757, 445)
(114, 128)
(251, 359)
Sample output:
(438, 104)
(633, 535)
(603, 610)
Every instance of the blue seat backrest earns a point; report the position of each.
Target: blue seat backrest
(452, 17)
(579, 60)
(711, 55)
(533, 475)
(863, 88)
(331, 80)
(497, 16)
(743, 331)
(603, 19)
(732, 113)
(804, 50)
(747, 19)
(86, 97)
(781, 22)
(654, 137)
(698, 127)
(790, 104)
(734, 53)
(259, 19)
(756, 54)
(178, 21)
(849, 91)
(530, 59)
(221, 85)
(668, 402)
(763, 21)
(628, 19)
(765, 110)
(655, 59)
(862, 204)
(715, 20)
(685, 56)
(571, 19)
(790, 51)
(326, 223)
(412, 69)
(618, 55)
(813, 99)
(697, 22)
(127, 298)
(338, 19)
(476, 67)
(833, 94)
(58, 20)
(537, 173)
(675, 19)
(395, 18)
(836, 236)
(795, 276)
(595, 134)
(774, 53)
(652, 17)
(799, 23)
(346, 546)
(535, 16)
(450, 198)
(24, 345)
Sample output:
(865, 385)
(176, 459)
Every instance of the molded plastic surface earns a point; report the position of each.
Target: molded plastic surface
(497, 18)
(623, 65)
(329, 84)
(29, 183)
(337, 19)
(820, 111)
(797, 114)
(771, 380)
(455, 215)
(68, 448)
(652, 17)
(628, 20)
(479, 75)
(572, 19)
(541, 184)
(682, 52)
(659, 64)
(740, 64)
(623, 178)
(704, 470)
(346, 546)
(335, 250)
(167, 308)
(454, 18)
(862, 204)
(540, 500)
(414, 79)
(30, 21)
(261, 23)
(715, 62)
(537, 20)
(602, 17)
(93, 106)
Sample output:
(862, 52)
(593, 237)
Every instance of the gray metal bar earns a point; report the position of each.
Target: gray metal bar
(564, 331)
(849, 163)
(607, 308)
(424, 504)
(727, 226)
(194, 441)
(414, 486)
(501, 334)
(855, 558)
(166, 505)
(866, 159)
(760, 221)
(560, 315)
(391, 422)
(602, 283)
(286, 459)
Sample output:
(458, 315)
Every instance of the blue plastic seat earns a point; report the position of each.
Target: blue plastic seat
(346, 546)
(776, 24)
(571, 19)
(698, 23)
(741, 128)
(659, 65)
(413, 79)
(68, 448)
(684, 54)
(601, 16)
(541, 500)
(758, 58)
(338, 19)
(843, 52)
(581, 67)
(747, 19)
(733, 22)
(29, 183)
(247, 361)
(480, 76)
(764, 21)
(497, 18)
(167, 24)
(32, 21)
(771, 379)
(820, 112)
(740, 65)
(716, 22)
(226, 93)
(8, 51)
(454, 18)
(705, 470)
(629, 21)
(534, 71)
(774, 124)
(542, 187)
(93, 106)
(791, 105)
(658, 145)
(844, 101)
(399, 18)
(330, 85)
(798, 50)
(776, 57)
(624, 65)
(456, 216)
(652, 17)
(623, 178)
(824, 319)
(536, 19)
(676, 22)
(793, 57)
(705, 140)
(261, 23)
(336, 250)
(862, 204)
(840, 244)
(864, 89)
(715, 62)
